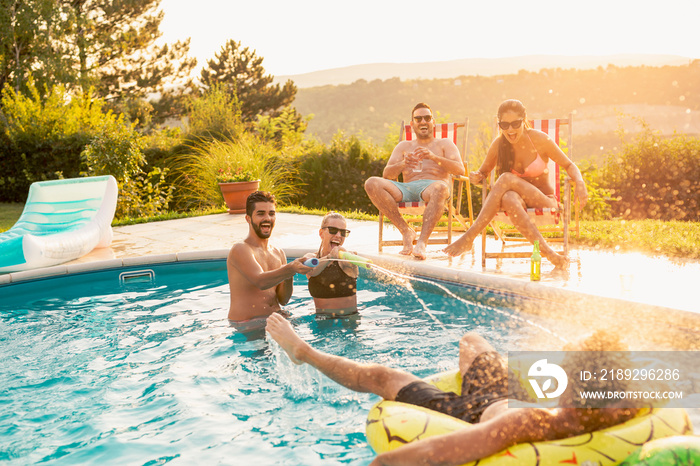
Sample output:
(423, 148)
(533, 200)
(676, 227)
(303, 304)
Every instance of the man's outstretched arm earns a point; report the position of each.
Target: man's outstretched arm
(517, 425)
(241, 258)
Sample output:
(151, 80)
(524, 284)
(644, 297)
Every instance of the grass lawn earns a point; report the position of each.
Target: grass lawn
(672, 239)
(9, 213)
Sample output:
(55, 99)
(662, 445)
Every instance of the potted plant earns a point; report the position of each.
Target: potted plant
(236, 186)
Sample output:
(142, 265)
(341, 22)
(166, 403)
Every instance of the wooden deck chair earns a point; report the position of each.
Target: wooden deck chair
(555, 220)
(413, 211)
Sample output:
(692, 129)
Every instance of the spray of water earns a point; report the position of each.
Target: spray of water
(405, 280)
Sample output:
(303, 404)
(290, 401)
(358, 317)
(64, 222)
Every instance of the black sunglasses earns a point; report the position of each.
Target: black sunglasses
(514, 124)
(334, 231)
(425, 118)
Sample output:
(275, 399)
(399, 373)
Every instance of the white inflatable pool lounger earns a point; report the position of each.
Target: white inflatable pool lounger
(62, 221)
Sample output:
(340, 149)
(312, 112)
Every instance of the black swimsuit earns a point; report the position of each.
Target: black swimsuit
(484, 383)
(333, 282)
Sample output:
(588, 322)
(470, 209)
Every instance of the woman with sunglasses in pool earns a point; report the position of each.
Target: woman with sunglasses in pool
(333, 283)
(520, 154)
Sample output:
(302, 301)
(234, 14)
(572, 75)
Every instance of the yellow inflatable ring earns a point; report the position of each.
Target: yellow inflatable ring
(391, 424)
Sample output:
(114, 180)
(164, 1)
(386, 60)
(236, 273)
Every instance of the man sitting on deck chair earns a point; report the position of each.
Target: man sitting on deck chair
(484, 399)
(426, 164)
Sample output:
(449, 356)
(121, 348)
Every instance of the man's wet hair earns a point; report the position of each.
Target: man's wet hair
(258, 196)
(601, 349)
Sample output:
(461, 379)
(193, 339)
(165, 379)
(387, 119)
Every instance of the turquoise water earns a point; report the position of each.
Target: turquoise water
(150, 372)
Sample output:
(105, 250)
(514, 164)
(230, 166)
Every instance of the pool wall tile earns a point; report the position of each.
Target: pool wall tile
(202, 255)
(298, 252)
(94, 266)
(153, 259)
(38, 273)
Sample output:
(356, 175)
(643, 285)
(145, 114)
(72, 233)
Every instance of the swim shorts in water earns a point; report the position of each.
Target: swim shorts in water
(485, 382)
(413, 190)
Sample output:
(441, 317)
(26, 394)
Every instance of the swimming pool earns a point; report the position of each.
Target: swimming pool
(146, 370)
(139, 366)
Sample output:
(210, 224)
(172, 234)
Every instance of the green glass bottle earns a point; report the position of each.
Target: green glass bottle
(535, 263)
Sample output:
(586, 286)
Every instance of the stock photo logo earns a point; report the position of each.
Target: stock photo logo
(547, 372)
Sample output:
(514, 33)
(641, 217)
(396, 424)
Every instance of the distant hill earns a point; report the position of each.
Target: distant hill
(472, 67)
(601, 99)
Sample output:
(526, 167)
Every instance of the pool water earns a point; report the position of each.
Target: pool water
(98, 370)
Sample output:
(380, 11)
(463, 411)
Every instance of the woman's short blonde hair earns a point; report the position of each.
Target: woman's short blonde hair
(331, 215)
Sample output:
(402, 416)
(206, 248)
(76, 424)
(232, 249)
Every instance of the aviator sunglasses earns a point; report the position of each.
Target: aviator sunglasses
(334, 231)
(425, 118)
(514, 124)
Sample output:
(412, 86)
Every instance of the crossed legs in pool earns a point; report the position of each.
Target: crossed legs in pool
(373, 378)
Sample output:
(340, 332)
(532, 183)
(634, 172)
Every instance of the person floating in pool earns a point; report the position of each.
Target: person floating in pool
(259, 277)
(520, 155)
(333, 283)
(426, 164)
(484, 399)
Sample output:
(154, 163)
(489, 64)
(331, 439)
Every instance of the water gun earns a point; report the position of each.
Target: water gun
(357, 260)
(311, 262)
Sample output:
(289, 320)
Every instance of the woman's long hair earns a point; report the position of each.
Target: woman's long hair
(506, 154)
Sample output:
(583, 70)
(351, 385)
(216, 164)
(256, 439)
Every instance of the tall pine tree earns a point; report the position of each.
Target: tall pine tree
(242, 72)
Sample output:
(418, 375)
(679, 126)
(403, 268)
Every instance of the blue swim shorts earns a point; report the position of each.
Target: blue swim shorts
(412, 191)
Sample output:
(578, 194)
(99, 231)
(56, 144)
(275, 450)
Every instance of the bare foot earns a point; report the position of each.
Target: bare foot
(408, 239)
(419, 251)
(282, 332)
(560, 262)
(458, 247)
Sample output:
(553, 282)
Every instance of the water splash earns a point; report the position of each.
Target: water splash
(405, 280)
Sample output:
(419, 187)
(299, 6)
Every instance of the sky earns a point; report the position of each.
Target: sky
(311, 35)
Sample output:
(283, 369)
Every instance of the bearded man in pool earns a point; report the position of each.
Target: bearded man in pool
(259, 277)
(484, 399)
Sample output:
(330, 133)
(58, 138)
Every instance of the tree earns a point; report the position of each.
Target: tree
(241, 70)
(108, 45)
(27, 28)
(112, 44)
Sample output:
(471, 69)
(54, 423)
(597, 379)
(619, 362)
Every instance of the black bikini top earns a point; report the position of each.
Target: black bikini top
(333, 282)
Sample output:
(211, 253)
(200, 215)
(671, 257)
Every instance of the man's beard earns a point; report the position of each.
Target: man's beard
(257, 230)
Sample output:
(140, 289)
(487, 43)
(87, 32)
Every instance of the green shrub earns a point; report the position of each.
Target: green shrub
(43, 137)
(144, 195)
(160, 145)
(284, 131)
(656, 178)
(216, 114)
(117, 150)
(64, 135)
(597, 207)
(334, 175)
(197, 170)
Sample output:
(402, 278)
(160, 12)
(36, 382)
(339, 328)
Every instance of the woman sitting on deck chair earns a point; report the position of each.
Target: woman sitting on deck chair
(520, 155)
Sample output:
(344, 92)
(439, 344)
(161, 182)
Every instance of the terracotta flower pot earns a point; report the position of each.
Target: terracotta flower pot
(236, 193)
